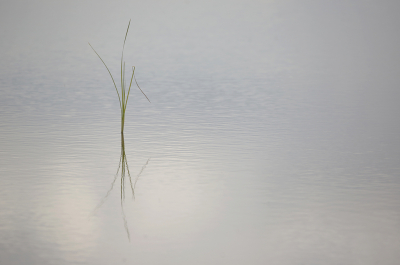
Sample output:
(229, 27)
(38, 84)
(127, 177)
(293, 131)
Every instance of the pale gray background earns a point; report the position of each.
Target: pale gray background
(273, 132)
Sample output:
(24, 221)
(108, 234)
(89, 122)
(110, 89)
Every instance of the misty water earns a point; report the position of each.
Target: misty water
(273, 132)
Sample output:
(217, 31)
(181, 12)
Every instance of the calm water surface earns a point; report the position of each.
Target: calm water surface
(273, 133)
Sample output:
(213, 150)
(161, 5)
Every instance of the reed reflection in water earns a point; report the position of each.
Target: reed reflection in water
(125, 177)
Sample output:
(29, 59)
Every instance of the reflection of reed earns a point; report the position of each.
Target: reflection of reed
(123, 169)
(123, 165)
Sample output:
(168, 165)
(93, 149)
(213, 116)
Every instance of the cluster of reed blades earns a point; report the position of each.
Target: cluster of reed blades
(123, 96)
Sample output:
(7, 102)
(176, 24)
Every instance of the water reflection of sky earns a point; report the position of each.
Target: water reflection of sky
(273, 132)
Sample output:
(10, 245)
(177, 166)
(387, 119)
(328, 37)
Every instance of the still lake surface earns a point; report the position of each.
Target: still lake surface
(273, 133)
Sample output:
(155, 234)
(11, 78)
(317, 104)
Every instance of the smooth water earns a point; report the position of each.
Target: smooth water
(273, 133)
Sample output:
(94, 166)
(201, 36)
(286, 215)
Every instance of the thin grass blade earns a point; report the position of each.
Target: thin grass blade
(119, 98)
(122, 56)
(139, 86)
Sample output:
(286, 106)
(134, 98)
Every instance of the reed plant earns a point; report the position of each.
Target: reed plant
(123, 93)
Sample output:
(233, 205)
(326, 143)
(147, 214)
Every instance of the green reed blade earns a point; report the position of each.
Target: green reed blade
(119, 98)
(138, 84)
